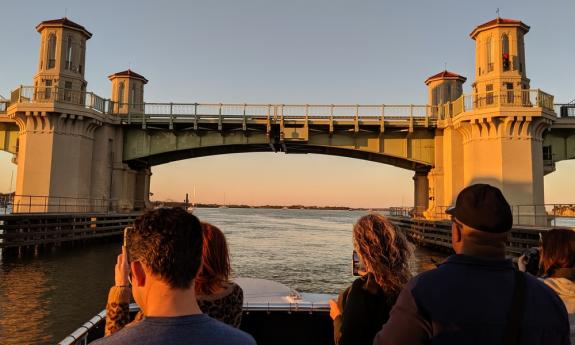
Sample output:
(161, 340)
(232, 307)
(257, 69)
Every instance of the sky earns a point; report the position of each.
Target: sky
(298, 51)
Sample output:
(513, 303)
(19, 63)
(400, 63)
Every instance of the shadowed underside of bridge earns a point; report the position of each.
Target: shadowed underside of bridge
(397, 147)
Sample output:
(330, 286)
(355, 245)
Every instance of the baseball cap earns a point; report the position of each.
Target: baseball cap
(482, 207)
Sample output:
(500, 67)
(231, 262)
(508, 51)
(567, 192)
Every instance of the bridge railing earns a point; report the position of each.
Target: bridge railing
(143, 111)
(512, 98)
(54, 204)
(549, 214)
(3, 106)
(273, 110)
(54, 94)
(565, 110)
(50, 204)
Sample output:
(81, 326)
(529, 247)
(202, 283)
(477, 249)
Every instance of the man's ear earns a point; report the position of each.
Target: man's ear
(455, 232)
(138, 273)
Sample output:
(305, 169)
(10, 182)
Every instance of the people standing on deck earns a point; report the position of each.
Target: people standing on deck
(364, 307)
(164, 250)
(216, 294)
(557, 263)
(476, 296)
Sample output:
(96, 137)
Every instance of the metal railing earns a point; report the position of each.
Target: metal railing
(550, 214)
(438, 234)
(565, 110)
(523, 215)
(21, 231)
(144, 111)
(51, 204)
(31, 94)
(511, 98)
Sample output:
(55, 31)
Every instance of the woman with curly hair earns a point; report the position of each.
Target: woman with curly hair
(364, 307)
(216, 294)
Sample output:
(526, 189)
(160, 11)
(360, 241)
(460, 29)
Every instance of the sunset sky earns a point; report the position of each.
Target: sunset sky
(298, 51)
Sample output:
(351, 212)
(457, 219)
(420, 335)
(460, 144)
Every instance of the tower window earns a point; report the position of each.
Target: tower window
(489, 55)
(505, 52)
(121, 93)
(48, 89)
(510, 96)
(82, 56)
(67, 91)
(435, 96)
(489, 94)
(69, 54)
(142, 96)
(133, 96)
(51, 63)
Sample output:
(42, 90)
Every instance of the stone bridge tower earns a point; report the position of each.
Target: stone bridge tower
(71, 141)
(497, 138)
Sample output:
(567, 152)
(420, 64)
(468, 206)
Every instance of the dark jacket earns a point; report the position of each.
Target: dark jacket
(365, 308)
(466, 300)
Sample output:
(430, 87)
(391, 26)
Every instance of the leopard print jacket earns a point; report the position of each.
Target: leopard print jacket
(225, 306)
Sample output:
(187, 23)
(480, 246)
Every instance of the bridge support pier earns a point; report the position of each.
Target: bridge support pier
(500, 149)
(54, 162)
(421, 192)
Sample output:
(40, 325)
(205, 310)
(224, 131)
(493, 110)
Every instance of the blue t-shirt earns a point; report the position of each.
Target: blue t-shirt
(197, 329)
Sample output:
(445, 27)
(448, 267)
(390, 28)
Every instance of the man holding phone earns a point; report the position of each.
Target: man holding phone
(165, 251)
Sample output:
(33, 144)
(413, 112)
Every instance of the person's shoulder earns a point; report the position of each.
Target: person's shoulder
(126, 335)
(226, 334)
(541, 288)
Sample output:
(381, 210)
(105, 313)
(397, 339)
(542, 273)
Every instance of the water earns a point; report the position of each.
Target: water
(45, 298)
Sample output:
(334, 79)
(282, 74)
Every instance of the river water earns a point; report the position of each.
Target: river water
(44, 298)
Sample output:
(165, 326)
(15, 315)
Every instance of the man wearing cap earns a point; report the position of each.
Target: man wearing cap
(476, 296)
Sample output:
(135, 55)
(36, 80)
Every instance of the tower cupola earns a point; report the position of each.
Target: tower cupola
(500, 57)
(62, 58)
(128, 91)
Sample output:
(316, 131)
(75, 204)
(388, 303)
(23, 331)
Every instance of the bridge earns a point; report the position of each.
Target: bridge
(71, 144)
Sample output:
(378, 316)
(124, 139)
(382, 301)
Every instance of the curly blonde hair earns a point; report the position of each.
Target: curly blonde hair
(384, 251)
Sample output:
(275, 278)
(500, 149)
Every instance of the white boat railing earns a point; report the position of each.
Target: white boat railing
(80, 336)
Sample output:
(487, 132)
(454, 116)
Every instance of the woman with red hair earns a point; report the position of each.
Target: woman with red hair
(217, 295)
(557, 266)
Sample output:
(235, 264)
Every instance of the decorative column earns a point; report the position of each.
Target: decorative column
(421, 192)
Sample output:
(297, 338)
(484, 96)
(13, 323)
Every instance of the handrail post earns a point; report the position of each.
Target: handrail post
(245, 122)
(171, 125)
(331, 120)
(195, 116)
(220, 125)
(305, 124)
(143, 119)
(20, 94)
(382, 121)
(356, 119)
(410, 118)
(268, 121)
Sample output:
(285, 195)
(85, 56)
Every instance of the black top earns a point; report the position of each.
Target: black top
(467, 300)
(364, 309)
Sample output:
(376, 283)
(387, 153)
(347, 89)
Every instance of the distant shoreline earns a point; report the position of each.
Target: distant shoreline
(275, 207)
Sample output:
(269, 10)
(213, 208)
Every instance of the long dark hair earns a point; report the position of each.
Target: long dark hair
(216, 269)
(384, 251)
(557, 250)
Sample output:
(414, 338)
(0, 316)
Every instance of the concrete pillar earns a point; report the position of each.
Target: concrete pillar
(55, 162)
(142, 189)
(421, 192)
(507, 152)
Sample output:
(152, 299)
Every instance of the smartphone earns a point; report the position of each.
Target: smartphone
(356, 266)
(126, 229)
